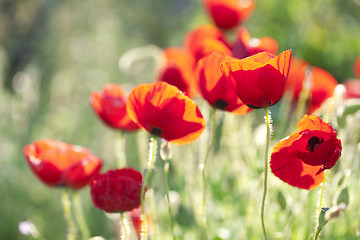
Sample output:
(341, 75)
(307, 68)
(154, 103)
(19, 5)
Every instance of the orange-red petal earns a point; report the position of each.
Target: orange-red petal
(214, 88)
(165, 111)
(56, 163)
(177, 69)
(110, 106)
(228, 14)
(357, 68)
(301, 158)
(258, 80)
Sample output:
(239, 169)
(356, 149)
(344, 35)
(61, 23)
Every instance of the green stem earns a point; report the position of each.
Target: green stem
(166, 171)
(79, 215)
(204, 164)
(120, 151)
(267, 120)
(66, 203)
(318, 229)
(123, 232)
(151, 161)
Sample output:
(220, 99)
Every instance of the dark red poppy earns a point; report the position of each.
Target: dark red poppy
(229, 13)
(206, 39)
(357, 68)
(259, 81)
(178, 69)
(352, 87)
(110, 106)
(214, 88)
(117, 190)
(301, 158)
(57, 163)
(246, 46)
(164, 111)
(320, 82)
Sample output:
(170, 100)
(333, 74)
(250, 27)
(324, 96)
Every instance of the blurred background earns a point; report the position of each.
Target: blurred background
(53, 54)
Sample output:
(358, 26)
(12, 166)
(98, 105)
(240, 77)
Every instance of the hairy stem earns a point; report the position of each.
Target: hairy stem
(267, 120)
(203, 168)
(66, 203)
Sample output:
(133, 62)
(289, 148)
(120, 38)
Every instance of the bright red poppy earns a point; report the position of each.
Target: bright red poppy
(164, 111)
(57, 163)
(228, 14)
(206, 39)
(259, 80)
(214, 88)
(321, 83)
(301, 158)
(178, 70)
(357, 68)
(117, 190)
(246, 46)
(110, 106)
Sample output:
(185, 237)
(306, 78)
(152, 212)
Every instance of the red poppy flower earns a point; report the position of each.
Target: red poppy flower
(177, 70)
(110, 105)
(164, 111)
(352, 87)
(357, 68)
(117, 190)
(301, 158)
(321, 83)
(229, 13)
(214, 88)
(137, 220)
(246, 46)
(57, 163)
(259, 81)
(205, 40)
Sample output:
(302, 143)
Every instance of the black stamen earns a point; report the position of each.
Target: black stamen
(220, 104)
(314, 143)
(156, 131)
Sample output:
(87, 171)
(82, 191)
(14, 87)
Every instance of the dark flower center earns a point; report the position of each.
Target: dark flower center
(220, 104)
(314, 143)
(156, 131)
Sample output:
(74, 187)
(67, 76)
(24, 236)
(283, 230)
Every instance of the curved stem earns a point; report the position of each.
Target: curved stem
(123, 232)
(151, 161)
(79, 215)
(166, 171)
(66, 203)
(203, 206)
(267, 120)
(318, 229)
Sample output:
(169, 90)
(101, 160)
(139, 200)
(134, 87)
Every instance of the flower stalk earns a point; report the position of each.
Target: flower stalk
(66, 203)
(79, 216)
(203, 169)
(266, 163)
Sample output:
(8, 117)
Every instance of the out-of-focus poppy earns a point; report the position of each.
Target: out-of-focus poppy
(352, 87)
(214, 88)
(321, 83)
(178, 70)
(57, 163)
(206, 39)
(259, 80)
(301, 158)
(246, 46)
(164, 111)
(137, 220)
(228, 14)
(357, 68)
(117, 190)
(110, 106)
